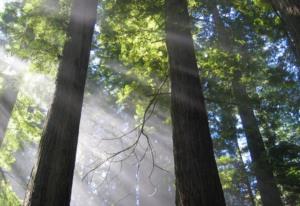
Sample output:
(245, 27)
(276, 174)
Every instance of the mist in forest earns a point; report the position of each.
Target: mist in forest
(174, 102)
(123, 180)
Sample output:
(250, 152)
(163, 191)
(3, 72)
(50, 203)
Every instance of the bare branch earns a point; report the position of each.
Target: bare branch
(132, 148)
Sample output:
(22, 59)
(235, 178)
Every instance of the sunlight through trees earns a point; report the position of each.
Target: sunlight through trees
(149, 102)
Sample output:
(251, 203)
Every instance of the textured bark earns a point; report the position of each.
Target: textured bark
(8, 98)
(289, 11)
(51, 181)
(197, 180)
(266, 183)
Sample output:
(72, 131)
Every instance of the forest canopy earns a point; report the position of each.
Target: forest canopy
(150, 102)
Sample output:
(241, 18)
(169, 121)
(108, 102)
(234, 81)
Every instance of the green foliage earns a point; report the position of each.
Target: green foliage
(285, 158)
(34, 33)
(129, 61)
(7, 196)
(135, 57)
(233, 181)
(261, 17)
(226, 172)
(272, 87)
(24, 126)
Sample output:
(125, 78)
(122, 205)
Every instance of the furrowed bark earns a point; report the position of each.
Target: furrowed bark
(197, 179)
(51, 180)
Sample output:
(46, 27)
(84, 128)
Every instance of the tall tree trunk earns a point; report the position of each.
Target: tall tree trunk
(197, 179)
(51, 180)
(266, 183)
(8, 98)
(289, 11)
(269, 192)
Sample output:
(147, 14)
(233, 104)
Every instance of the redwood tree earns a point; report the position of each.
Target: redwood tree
(51, 180)
(197, 179)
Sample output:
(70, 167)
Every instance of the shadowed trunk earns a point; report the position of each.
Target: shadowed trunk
(51, 180)
(289, 12)
(197, 179)
(8, 98)
(266, 183)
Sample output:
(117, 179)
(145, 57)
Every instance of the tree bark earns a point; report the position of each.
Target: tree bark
(289, 12)
(51, 180)
(8, 98)
(266, 183)
(197, 179)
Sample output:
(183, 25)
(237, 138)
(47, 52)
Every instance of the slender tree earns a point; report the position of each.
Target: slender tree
(269, 192)
(266, 183)
(51, 180)
(8, 98)
(197, 179)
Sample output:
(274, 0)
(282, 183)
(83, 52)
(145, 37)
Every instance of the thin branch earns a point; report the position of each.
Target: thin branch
(147, 114)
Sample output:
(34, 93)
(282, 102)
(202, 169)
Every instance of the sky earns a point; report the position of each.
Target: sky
(2, 3)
